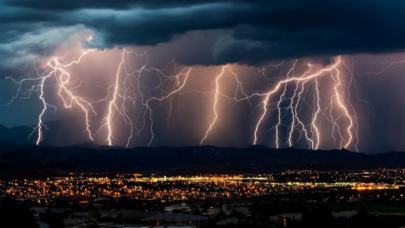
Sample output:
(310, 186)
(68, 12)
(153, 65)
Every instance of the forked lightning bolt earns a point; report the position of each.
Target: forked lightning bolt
(130, 101)
(218, 93)
(58, 71)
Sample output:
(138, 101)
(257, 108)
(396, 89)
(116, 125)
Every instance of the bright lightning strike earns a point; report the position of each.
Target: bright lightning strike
(314, 138)
(219, 93)
(128, 100)
(57, 71)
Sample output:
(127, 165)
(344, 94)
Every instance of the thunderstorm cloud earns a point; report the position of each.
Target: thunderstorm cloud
(211, 33)
(239, 31)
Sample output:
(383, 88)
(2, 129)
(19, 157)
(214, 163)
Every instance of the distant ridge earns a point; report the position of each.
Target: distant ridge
(91, 157)
(95, 145)
(61, 132)
(17, 135)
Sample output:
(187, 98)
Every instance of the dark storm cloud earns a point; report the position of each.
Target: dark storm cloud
(248, 31)
(103, 4)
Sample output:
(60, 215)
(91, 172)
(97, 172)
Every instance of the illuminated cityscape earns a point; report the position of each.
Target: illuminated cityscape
(203, 200)
(183, 188)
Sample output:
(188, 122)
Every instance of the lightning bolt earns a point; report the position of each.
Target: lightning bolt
(219, 93)
(315, 139)
(126, 96)
(179, 85)
(316, 114)
(343, 107)
(58, 71)
(294, 114)
(279, 103)
(123, 90)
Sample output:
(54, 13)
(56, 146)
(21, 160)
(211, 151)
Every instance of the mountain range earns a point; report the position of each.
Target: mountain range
(186, 160)
(19, 154)
(61, 132)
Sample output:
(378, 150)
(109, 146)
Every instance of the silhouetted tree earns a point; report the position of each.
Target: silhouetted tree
(53, 220)
(195, 210)
(364, 219)
(319, 217)
(13, 214)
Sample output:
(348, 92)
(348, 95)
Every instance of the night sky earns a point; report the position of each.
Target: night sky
(206, 35)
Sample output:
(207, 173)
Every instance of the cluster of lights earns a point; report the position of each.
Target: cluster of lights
(197, 187)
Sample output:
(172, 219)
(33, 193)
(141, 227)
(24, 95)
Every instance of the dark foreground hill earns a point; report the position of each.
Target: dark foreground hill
(187, 160)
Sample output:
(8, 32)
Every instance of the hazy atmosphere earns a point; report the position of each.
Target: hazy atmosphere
(306, 74)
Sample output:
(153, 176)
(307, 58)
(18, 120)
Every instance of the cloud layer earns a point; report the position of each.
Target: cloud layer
(245, 31)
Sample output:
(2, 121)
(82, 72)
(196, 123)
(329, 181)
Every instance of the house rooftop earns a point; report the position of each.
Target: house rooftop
(176, 217)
